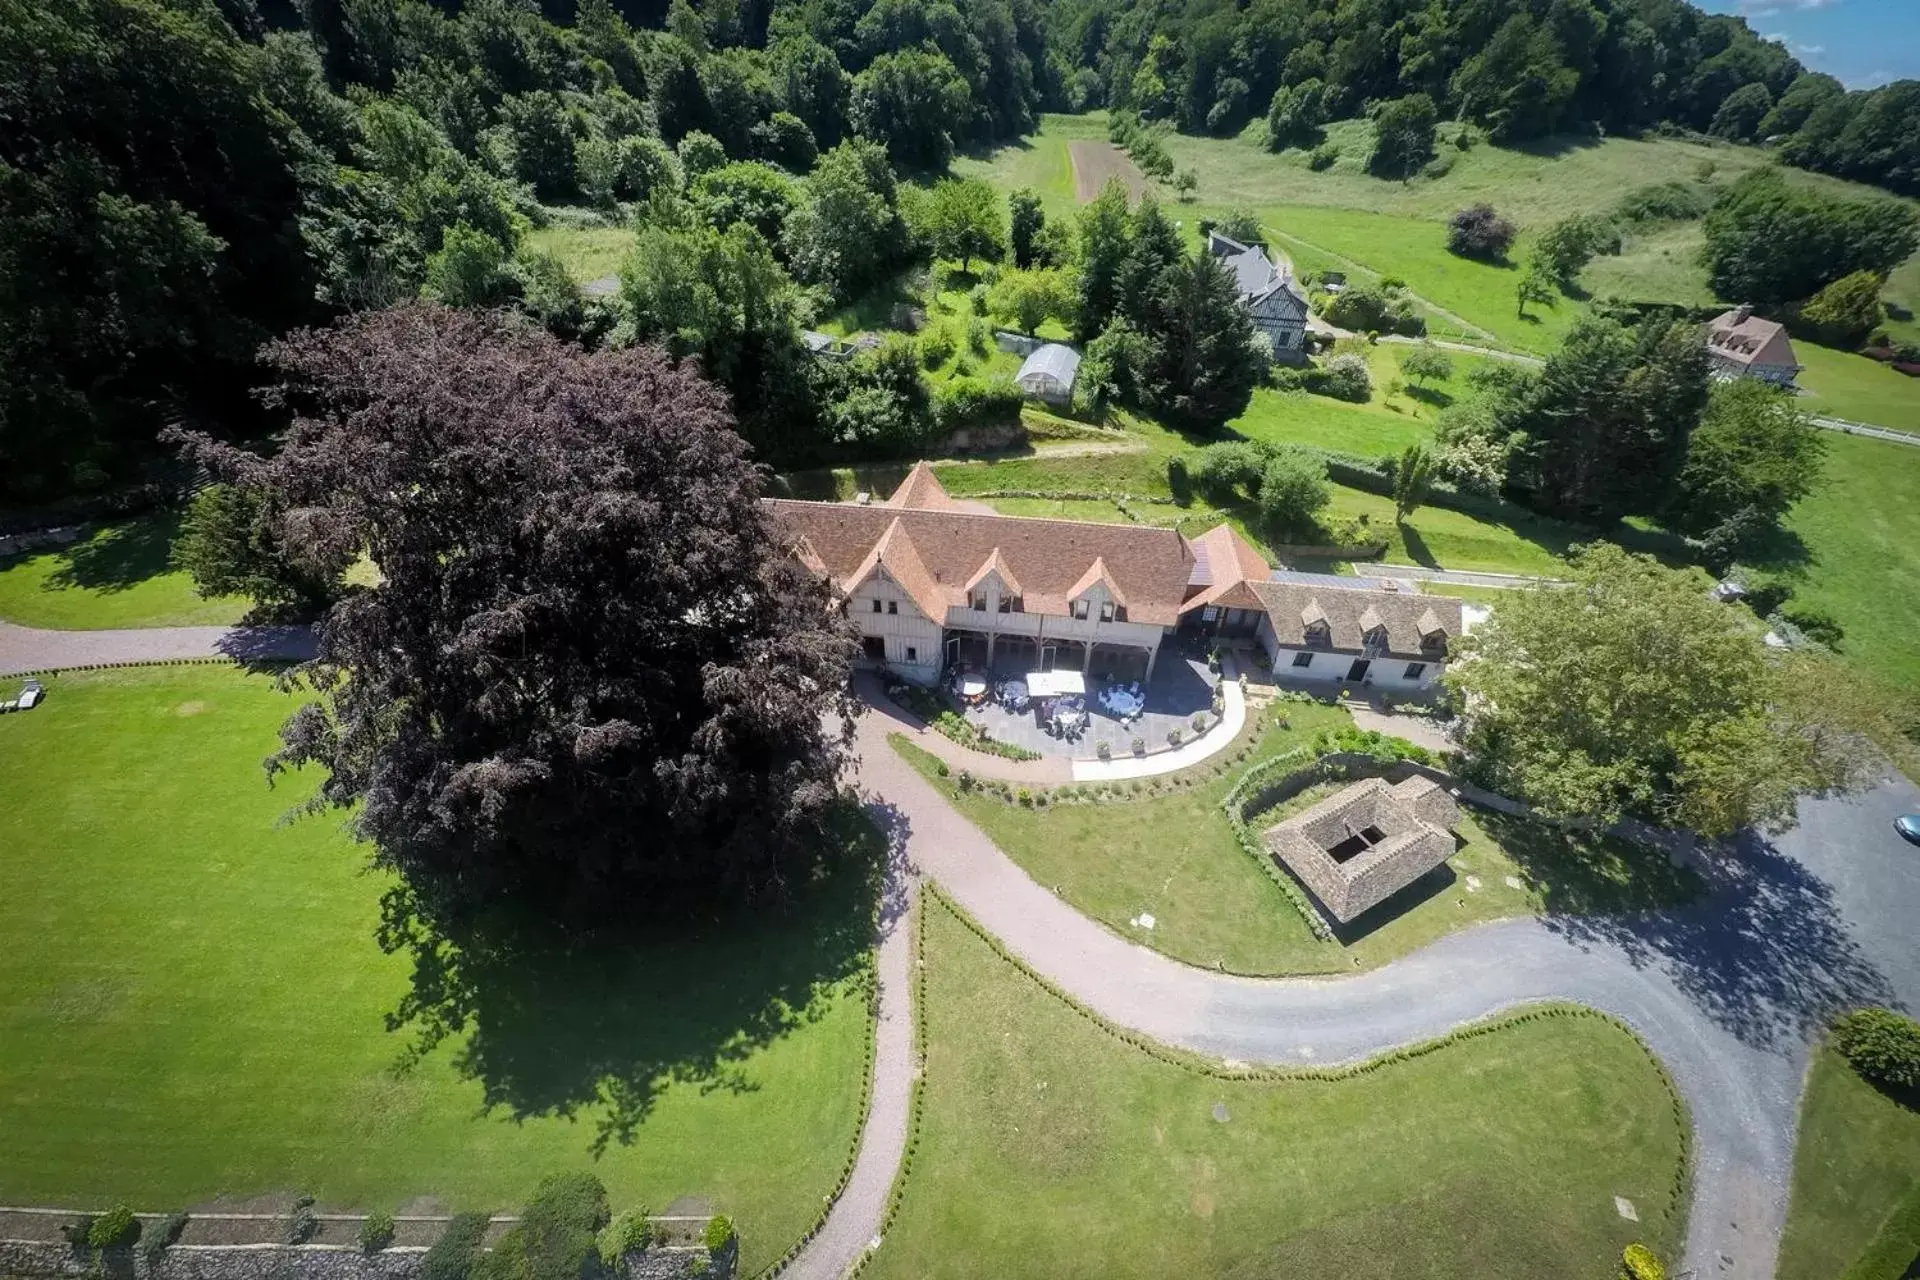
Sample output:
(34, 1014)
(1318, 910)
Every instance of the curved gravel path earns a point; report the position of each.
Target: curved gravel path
(1729, 992)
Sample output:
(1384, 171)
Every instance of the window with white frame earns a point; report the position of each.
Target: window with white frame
(1302, 659)
(1080, 609)
(1106, 611)
(980, 602)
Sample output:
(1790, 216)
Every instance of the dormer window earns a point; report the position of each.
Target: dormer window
(1376, 638)
(1434, 641)
(1006, 604)
(1080, 609)
(1019, 605)
(980, 602)
(1106, 611)
(1319, 635)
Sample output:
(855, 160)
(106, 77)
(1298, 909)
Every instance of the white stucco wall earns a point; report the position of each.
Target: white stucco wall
(1330, 664)
(905, 628)
(1053, 626)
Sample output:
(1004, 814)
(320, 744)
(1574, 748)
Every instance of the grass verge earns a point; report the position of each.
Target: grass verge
(1856, 1180)
(199, 1011)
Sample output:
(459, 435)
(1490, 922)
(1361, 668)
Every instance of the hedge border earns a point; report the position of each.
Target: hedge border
(1673, 1214)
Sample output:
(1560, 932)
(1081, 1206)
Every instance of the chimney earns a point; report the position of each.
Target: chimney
(1743, 313)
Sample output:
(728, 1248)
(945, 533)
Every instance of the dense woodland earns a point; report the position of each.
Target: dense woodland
(184, 180)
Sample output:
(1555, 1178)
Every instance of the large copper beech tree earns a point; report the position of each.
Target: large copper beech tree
(590, 674)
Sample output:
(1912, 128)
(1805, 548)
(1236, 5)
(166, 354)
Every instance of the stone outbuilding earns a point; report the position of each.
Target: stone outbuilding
(1361, 845)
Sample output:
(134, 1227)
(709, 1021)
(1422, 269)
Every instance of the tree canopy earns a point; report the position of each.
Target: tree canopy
(1633, 691)
(1770, 241)
(590, 672)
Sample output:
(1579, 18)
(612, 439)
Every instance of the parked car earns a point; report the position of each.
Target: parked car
(1908, 825)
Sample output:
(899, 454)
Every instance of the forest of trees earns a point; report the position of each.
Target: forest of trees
(1520, 68)
(184, 180)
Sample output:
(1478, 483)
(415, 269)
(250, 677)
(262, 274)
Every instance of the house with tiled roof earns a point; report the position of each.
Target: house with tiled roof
(1267, 292)
(1385, 634)
(1742, 345)
(932, 582)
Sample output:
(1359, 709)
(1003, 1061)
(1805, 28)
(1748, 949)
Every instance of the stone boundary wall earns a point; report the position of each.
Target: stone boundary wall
(41, 1260)
(34, 540)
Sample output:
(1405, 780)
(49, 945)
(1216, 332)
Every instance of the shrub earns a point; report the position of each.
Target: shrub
(1883, 1046)
(968, 402)
(1025, 797)
(719, 1233)
(157, 1239)
(941, 769)
(965, 780)
(1179, 483)
(1816, 623)
(1199, 722)
(1438, 167)
(557, 1234)
(1323, 156)
(78, 1233)
(1637, 1262)
(937, 346)
(1139, 745)
(1478, 232)
(1662, 202)
(628, 1233)
(452, 1255)
(977, 303)
(1173, 737)
(1104, 751)
(1344, 377)
(114, 1228)
(376, 1232)
(302, 1223)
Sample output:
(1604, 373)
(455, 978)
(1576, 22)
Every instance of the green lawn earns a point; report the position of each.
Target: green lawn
(1902, 294)
(1861, 532)
(1174, 857)
(1857, 1166)
(1039, 162)
(197, 1011)
(1841, 384)
(118, 575)
(588, 253)
(1050, 1148)
(1657, 264)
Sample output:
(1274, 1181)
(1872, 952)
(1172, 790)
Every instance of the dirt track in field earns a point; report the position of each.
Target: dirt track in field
(1094, 162)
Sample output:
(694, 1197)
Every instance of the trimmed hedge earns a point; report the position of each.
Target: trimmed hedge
(1883, 1046)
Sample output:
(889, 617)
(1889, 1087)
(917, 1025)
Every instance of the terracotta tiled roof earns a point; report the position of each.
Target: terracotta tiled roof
(1292, 607)
(921, 491)
(1223, 562)
(1097, 573)
(1147, 567)
(896, 554)
(1749, 340)
(995, 563)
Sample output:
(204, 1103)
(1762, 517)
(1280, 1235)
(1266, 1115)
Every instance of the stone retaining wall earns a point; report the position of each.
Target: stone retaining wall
(34, 1260)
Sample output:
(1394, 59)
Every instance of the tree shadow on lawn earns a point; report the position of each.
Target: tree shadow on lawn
(1415, 546)
(1764, 953)
(562, 1022)
(1432, 397)
(119, 556)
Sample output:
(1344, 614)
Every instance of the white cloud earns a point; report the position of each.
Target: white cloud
(1811, 50)
(1766, 8)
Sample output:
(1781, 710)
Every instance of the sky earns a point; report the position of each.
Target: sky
(1865, 43)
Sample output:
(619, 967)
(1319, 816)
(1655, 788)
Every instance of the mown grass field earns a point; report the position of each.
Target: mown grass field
(1861, 532)
(193, 1007)
(1213, 906)
(1049, 1148)
(1856, 1169)
(117, 575)
(1841, 384)
(588, 253)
